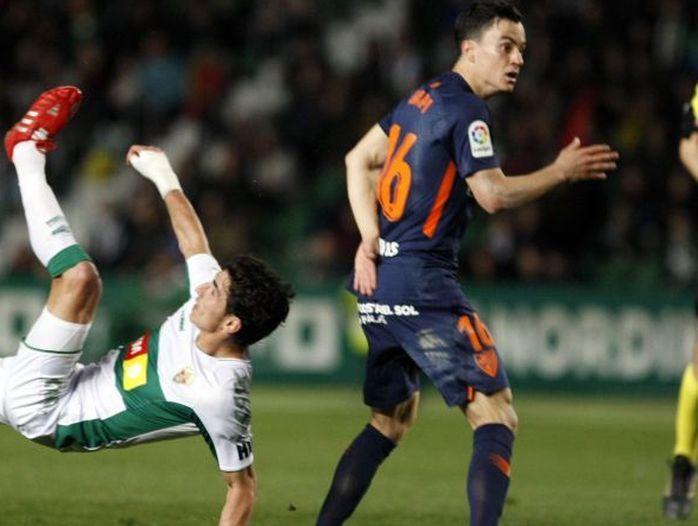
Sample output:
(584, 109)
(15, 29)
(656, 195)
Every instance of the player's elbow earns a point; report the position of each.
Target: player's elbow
(190, 246)
(684, 150)
(353, 158)
(688, 154)
(491, 190)
(359, 159)
(492, 203)
(243, 485)
(245, 499)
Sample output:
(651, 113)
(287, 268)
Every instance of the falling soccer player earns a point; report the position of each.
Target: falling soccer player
(189, 376)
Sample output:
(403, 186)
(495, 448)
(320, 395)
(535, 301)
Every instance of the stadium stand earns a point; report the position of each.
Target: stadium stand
(257, 102)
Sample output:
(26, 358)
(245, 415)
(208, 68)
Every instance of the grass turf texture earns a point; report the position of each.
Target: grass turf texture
(578, 461)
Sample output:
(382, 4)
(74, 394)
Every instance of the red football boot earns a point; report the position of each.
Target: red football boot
(45, 118)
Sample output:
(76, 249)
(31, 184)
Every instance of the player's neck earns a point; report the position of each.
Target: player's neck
(468, 75)
(214, 345)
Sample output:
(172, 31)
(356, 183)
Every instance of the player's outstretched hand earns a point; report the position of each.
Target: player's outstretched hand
(152, 163)
(581, 163)
(365, 279)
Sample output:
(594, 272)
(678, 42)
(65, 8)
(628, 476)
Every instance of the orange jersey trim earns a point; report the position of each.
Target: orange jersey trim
(442, 196)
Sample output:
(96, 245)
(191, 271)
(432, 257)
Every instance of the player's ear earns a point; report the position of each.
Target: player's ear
(231, 324)
(467, 49)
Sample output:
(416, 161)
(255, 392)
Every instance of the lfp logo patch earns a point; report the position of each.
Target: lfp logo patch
(480, 140)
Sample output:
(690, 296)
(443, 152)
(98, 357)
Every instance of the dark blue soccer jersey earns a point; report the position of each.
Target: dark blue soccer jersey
(438, 136)
(418, 318)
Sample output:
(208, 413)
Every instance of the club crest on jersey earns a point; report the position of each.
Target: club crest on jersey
(136, 363)
(480, 140)
(185, 376)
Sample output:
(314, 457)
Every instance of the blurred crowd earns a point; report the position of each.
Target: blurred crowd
(257, 101)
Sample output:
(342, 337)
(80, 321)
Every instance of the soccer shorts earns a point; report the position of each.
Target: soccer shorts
(34, 383)
(451, 346)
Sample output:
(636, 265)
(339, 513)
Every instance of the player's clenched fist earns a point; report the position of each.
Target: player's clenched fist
(152, 163)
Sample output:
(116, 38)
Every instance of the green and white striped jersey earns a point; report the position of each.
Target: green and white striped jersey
(162, 386)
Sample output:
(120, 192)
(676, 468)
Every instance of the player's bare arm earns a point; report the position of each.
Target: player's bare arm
(688, 146)
(688, 153)
(152, 163)
(494, 191)
(186, 225)
(364, 163)
(239, 501)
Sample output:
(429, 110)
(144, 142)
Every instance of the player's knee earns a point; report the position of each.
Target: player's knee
(83, 281)
(393, 427)
(395, 422)
(510, 418)
(506, 409)
(501, 413)
(492, 409)
(390, 428)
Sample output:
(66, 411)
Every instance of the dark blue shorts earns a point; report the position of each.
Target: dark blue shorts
(451, 346)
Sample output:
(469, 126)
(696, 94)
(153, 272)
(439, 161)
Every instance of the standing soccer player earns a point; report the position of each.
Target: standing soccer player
(678, 499)
(189, 376)
(432, 155)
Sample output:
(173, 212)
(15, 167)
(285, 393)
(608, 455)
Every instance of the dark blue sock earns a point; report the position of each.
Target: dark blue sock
(488, 477)
(353, 475)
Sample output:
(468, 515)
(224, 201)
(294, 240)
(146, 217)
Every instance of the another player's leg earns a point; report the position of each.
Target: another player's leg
(48, 354)
(464, 367)
(363, 457)
(74, 290)
(494, 421)
(678, 498)
(391, 382)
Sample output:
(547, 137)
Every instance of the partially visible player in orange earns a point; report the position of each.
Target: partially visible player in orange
(434, 159)
(678, 498)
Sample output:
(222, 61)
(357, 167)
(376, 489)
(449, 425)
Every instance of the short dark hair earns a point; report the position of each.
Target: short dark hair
(475, 18)
(258, 297)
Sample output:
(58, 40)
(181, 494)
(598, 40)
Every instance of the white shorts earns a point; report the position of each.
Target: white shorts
(34, 383)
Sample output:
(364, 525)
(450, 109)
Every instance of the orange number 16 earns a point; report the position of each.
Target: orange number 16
(396, 178)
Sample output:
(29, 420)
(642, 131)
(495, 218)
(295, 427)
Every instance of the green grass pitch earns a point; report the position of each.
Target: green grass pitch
(578, 461)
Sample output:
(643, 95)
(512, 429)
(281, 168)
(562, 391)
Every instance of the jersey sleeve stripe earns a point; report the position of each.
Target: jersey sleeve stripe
(24, 342)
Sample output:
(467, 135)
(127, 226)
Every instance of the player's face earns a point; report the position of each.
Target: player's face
(499, 56)
(211, 303)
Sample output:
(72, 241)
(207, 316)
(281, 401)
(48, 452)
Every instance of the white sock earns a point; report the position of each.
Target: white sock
(49, 232)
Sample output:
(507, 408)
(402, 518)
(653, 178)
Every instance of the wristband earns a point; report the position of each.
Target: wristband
(154, 165)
